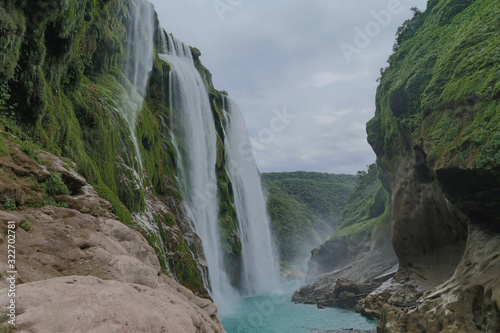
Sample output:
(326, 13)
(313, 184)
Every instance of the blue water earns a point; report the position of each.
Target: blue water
(277, 314)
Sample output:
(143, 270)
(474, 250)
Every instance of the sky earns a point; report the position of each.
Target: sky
(303, 72)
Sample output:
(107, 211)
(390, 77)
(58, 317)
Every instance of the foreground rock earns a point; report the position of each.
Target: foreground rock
(466, 302)
(90, 304)
(80, 269)
(115, 278)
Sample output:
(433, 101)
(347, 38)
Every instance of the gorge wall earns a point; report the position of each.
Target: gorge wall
(65, 77)
(437, 139)
(436, 134)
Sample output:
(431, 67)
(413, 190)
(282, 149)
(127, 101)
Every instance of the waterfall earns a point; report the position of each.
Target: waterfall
(192, 124)
(259, 274)
(138, 66)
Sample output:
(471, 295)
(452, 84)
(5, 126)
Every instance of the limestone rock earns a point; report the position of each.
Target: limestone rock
(63, 262)
(331, 255)
(22, 164)
(368, 270)
(87, 201)
(467, 302)
(89, 304)
(70, 177)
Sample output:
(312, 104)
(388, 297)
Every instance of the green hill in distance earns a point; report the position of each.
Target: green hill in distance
(304, 208)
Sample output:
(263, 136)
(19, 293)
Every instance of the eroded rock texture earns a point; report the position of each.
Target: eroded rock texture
(435, 133)
(79, 269)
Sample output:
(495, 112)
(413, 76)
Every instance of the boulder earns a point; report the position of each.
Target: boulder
(89, 304)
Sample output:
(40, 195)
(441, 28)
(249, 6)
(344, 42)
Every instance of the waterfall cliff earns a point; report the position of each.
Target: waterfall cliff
(86, 82)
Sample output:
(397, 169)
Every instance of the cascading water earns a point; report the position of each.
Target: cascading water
(259, 272)
(138, 66)
(194, 132)
(194, 135)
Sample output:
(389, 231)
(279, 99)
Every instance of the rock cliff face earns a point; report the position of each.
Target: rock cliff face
(67, 87)
(75, 260)
(436, 136)
(65, 81)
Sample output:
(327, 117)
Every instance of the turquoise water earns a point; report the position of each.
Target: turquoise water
(277, 314)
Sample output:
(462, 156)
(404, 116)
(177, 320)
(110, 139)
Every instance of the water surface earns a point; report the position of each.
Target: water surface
(278, 315)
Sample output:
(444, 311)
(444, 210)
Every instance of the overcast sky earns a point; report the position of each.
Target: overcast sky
(302, 71)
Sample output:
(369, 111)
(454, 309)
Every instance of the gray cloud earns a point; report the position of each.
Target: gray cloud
(287, 54)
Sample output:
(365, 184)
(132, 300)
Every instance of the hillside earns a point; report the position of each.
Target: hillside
(304, 208)
(359, 249)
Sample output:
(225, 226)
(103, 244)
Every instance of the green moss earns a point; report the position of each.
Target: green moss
(30, 149)
(368, 205)
(442, 87)
(186, 269)
(4, 149)
(54, 185)
(12, 28)
(9, 204)
(34, 204)
(26, 225)
(118, 208)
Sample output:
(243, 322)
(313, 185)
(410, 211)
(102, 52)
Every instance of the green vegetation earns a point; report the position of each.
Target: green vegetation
(30, 149)
(26, 226)
(54, 185)
(51, 188)
(304, 207)
(61, 88)
(442, 88)
(9, 204)
(368, 205)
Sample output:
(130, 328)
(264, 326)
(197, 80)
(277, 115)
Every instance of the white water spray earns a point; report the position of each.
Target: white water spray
(193, 125)
(138, 66)
(259, 275)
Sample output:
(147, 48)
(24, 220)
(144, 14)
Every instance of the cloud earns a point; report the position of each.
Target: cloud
(325, 78)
